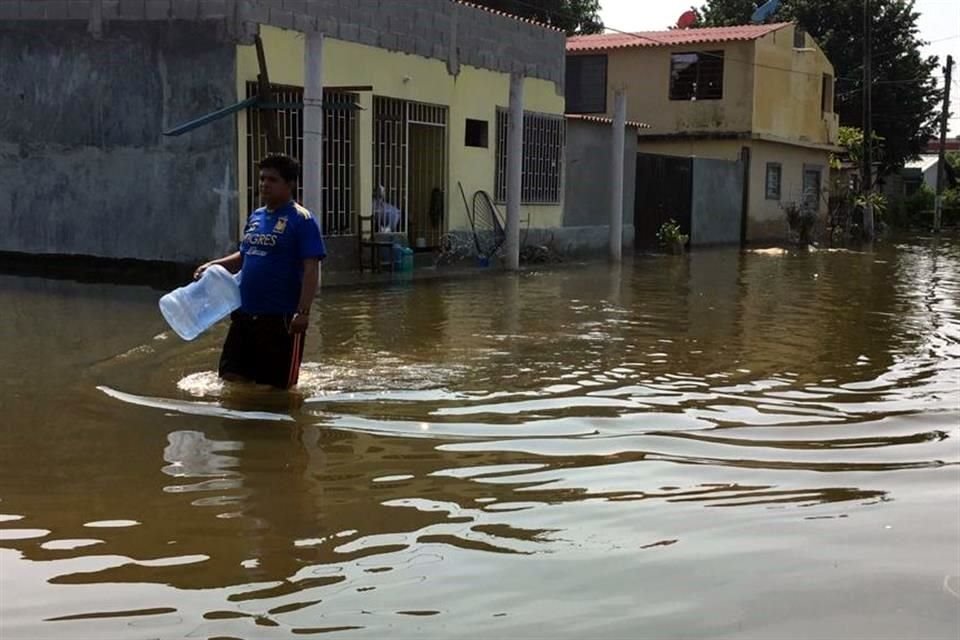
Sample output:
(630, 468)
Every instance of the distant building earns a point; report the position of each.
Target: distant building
(759, 94)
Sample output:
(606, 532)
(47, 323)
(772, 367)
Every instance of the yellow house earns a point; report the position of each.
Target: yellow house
(415, 109)
(760, 94)
(430, 77)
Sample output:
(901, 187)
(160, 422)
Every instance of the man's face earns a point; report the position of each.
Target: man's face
(273, 188)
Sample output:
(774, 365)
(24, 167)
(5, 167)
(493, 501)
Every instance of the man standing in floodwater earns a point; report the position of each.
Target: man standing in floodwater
(279, 265)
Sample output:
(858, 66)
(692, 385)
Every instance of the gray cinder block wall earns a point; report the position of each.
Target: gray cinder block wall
(89, 85)
(587, 185)
(717, 202)
(84, 169)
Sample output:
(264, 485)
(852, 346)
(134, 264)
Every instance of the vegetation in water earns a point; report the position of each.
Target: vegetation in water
(671, 236)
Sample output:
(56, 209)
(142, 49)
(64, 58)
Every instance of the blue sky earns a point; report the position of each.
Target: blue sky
(939, 24)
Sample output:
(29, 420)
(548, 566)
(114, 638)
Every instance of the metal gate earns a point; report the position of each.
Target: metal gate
(410, 162)
(339, 151)
(664, 191)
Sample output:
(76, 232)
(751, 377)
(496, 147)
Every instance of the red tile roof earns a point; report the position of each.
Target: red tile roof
(933, 145)
(674, 37)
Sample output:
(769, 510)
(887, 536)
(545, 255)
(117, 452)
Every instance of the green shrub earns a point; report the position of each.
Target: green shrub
(951, 207)
(671, 237)
(915, 210)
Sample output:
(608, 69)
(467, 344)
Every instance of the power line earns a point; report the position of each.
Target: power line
(851, 92)
(892, 50)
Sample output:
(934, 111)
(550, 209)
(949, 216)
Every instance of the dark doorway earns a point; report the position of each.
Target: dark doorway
(664, 191)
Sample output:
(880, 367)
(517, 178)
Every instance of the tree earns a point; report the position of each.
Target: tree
(728, 12)
(953, 159)
(905, 94)
(576, 17)
(851, 139)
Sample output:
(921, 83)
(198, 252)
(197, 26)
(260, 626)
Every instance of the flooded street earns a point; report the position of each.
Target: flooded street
(721, 445)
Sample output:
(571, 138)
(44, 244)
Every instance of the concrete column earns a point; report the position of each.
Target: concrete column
(313, 125)
(514, 171)
(616, 175)
(364, 151)
(95, 23)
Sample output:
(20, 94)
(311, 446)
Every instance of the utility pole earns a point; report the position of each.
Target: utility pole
(866, 186)
(942, 164)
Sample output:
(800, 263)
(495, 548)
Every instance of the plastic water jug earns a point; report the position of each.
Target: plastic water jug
(407, 259)
(194, 308)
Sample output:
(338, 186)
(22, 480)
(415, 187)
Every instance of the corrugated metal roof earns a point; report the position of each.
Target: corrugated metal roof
(925, 162)
(605, 120)
(671, 38)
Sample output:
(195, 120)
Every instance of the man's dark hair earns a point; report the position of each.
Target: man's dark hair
(287, 167)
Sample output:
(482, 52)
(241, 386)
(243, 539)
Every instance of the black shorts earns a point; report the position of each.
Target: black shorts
(262, 350)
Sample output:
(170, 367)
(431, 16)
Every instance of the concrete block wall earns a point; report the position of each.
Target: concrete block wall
(449, 30)
(84, 167)
(717, 202)
(587, 183)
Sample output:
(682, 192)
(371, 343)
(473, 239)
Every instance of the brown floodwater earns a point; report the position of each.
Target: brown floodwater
(721, 445)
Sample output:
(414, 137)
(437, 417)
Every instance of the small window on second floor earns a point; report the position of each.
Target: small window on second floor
(696, 76)
(586, 84)
(826, 96)
(774, 175)
(799, 38)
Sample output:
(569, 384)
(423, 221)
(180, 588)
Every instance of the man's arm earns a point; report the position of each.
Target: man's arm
(311, 274)
(231, 263)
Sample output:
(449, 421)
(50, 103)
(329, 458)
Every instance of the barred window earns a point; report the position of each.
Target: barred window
(696, 76)
(339, 152)
(543, 140)
(774, 178)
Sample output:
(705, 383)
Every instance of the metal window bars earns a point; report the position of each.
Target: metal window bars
(543, 141)
(339, 152)
(410, 162)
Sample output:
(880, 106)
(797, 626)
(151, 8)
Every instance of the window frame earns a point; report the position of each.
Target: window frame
(778, 168)
(827, 82)
(578, 108)
(340, 189)
(799, 37)
(484, 138)
(542, 180)
(697, 93)
(816, 169)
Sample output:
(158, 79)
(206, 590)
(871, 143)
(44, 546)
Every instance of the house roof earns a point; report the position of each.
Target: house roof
(671, 38)
(933, 145)
(605, 120)
(926, 161)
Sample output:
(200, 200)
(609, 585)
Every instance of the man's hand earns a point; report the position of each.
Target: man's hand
(232, 263)
(299, 323)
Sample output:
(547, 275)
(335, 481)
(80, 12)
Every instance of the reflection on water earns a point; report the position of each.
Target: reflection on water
(718, 445)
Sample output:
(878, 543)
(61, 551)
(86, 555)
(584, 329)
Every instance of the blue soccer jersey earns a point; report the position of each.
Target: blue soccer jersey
(274, 246)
